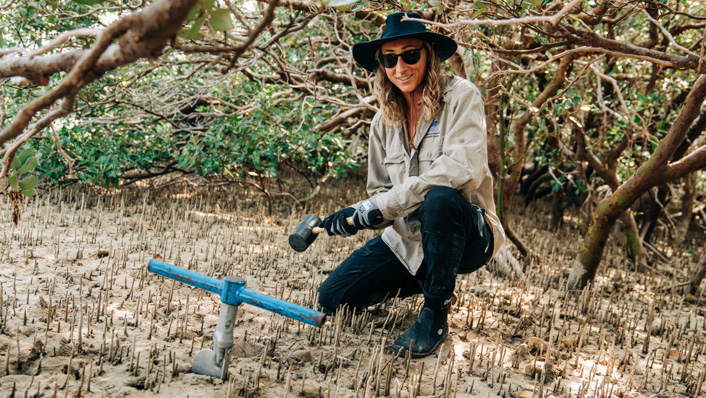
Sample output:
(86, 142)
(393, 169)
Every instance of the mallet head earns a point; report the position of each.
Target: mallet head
(305, 233)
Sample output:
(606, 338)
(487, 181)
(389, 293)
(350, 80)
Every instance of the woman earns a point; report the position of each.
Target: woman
(429, 185)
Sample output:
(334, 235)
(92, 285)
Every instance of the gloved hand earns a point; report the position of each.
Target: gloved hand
(336, 223)
(367, 214)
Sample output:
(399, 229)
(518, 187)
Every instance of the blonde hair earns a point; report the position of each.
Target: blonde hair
(391, 100)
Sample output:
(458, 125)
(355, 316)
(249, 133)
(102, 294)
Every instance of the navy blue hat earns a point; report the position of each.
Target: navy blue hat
(364, 52)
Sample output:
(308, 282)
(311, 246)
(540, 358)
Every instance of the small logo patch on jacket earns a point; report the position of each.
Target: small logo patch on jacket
(434, 130)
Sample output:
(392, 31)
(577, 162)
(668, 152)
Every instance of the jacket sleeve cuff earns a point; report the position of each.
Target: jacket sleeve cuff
(389, 205)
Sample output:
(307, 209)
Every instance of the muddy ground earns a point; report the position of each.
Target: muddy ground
(80, 315)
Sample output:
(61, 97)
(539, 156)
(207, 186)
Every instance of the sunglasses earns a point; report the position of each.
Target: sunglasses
(410, 57)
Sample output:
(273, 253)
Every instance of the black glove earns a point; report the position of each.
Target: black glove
(336, 223)
(367, 214)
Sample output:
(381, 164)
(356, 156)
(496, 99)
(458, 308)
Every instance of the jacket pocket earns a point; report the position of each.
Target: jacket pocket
(394, 163)
(427, 156)
(430, 155)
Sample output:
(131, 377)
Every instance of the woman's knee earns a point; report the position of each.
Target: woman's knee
(359, 277)
(328, 297)
(337, 290)
(440, 205)
(332, 298)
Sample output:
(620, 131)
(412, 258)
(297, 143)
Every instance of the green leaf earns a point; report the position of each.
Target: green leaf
(29, 192)
(220, 19)
(14, 182)
(361, 6)
(16, 163)
(194, 30)
(192, 14)
(29, 183)
(24, 155)
(2, 41)
(28, 166)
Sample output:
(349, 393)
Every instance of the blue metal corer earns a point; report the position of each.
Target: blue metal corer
(233, 292)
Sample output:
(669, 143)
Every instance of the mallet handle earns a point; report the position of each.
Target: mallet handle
(318, 230)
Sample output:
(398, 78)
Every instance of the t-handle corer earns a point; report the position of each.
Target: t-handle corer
(233, 292)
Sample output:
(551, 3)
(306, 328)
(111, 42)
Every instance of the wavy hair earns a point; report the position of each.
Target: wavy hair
(391, 100)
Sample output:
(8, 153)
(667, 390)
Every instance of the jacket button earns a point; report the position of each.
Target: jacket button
(461, 140)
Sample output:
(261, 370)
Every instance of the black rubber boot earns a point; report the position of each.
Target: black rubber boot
(427, 333)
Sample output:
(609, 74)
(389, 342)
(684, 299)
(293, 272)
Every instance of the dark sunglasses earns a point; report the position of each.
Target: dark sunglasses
(410, 57)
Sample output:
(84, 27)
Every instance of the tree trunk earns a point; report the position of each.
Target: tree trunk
(687, 204)
(521, 247)
(507, 186)
(656, 170)
(607, 171)
(636, 250)
(518, 130)
(457, 66)
(657, 201)
(699, 276)
(502, 135)
(687, 201)
(557, 209)
(492, 115)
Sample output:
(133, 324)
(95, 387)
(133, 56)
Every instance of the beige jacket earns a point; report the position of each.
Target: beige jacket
(452, 153)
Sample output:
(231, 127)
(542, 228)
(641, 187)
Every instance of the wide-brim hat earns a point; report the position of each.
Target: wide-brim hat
(365, 51)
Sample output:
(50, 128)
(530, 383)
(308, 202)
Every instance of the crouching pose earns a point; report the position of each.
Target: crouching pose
(429, 184)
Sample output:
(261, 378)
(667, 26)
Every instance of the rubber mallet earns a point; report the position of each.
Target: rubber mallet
(306, 232)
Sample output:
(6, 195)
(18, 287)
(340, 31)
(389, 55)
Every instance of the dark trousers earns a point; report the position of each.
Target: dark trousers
(455, 239)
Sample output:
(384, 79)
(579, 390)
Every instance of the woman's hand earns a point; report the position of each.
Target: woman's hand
(337, 223)
(367, 214)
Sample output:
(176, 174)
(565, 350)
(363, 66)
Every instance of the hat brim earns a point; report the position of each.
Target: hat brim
(364, 52)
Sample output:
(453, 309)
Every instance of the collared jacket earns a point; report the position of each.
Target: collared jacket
(451, 151)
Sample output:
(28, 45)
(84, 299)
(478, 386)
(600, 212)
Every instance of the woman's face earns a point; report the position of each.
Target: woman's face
(406, 77)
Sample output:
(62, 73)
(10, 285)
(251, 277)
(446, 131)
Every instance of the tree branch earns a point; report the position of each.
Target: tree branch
(554, 19)
(142, 34)
(62, 38)
(668, 35)
(592, 39)
(67, 105)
